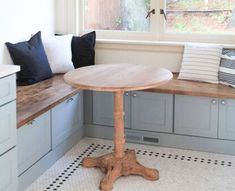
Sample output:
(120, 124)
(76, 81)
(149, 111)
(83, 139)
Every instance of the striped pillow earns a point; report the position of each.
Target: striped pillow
(227, 68)
(201, 63)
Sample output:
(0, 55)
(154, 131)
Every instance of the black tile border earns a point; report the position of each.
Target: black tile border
(71, 168)
(56, 184)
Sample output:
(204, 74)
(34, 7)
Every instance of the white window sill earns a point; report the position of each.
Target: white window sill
(130, 44)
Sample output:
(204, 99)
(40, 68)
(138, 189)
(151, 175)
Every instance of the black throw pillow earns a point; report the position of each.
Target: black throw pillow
(83, 50)
(31, 57)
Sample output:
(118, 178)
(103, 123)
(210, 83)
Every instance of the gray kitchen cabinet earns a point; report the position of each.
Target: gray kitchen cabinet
(7, 126)
(227, 119)
(152, 112)
(8, 89)
(103, 105)
(67, 118)
(8, 171)
(33, 141)
(197, 116)
(8, 156)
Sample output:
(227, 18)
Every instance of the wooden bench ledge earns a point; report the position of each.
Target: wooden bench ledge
(194, 88)
(34, 100)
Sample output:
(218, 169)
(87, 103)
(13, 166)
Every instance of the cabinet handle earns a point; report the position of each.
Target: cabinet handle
(214, 101)
(126, 94)
(70, 100)
(31, 122)
(134, 95)
(223, 102)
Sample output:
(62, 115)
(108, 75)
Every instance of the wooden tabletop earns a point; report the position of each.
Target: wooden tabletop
(118, 77)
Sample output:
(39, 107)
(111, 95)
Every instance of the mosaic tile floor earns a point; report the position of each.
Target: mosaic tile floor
(180, 170)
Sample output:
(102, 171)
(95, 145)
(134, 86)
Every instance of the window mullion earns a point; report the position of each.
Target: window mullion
(155, 24)
(162, 21)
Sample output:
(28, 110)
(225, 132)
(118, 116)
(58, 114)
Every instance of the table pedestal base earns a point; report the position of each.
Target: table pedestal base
(116, 167)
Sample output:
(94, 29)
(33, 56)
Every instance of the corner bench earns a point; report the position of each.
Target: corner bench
(182, 114)
(156, 116)
(49, 122)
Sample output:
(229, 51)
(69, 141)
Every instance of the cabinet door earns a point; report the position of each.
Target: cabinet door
(67, 118)
(196, 116)
(34, 141)
(152, 112)
(7, 89)
(103, 108)
(8, 172)
(227, 119)
(7, 126)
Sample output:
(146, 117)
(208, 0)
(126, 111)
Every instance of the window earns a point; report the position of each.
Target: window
(119, 15)
(184, 20)
(201, 16)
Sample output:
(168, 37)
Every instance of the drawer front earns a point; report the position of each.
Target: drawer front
(33, 141)
(7, 127)
(7, 89)
(67, 118)
(8, 172)
(197, 116)
(152, 112)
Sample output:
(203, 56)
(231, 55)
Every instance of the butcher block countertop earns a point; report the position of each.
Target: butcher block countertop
(193, 88)
(34, 100)
(6, 70)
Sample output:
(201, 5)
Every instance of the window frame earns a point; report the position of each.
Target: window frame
(157, 32)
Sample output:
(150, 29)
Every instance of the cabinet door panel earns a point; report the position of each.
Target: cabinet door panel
(103, 108)
(8, 172)
(7, 127)
(7, 89)
(152, 112)
(196, 116)
(34, 141)
(227, 119)
(67, 118)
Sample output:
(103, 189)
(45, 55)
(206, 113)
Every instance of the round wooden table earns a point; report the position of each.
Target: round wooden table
(118, 78)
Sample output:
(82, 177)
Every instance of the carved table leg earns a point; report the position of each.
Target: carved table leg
(119, 163)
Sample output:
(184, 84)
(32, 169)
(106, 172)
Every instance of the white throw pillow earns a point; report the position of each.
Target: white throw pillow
(201, 62)
(59, 53)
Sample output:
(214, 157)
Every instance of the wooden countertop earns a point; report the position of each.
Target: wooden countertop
(34, 100)
(6, 70)
(194, 88)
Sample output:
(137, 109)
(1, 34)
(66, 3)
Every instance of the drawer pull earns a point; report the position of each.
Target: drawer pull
(223, 102)
(214, 101)
(134, 95)
(31, 122)
(126, 94)
(70, 100)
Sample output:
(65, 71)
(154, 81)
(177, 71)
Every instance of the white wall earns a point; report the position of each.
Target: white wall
(21, 18)
(162, 55)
